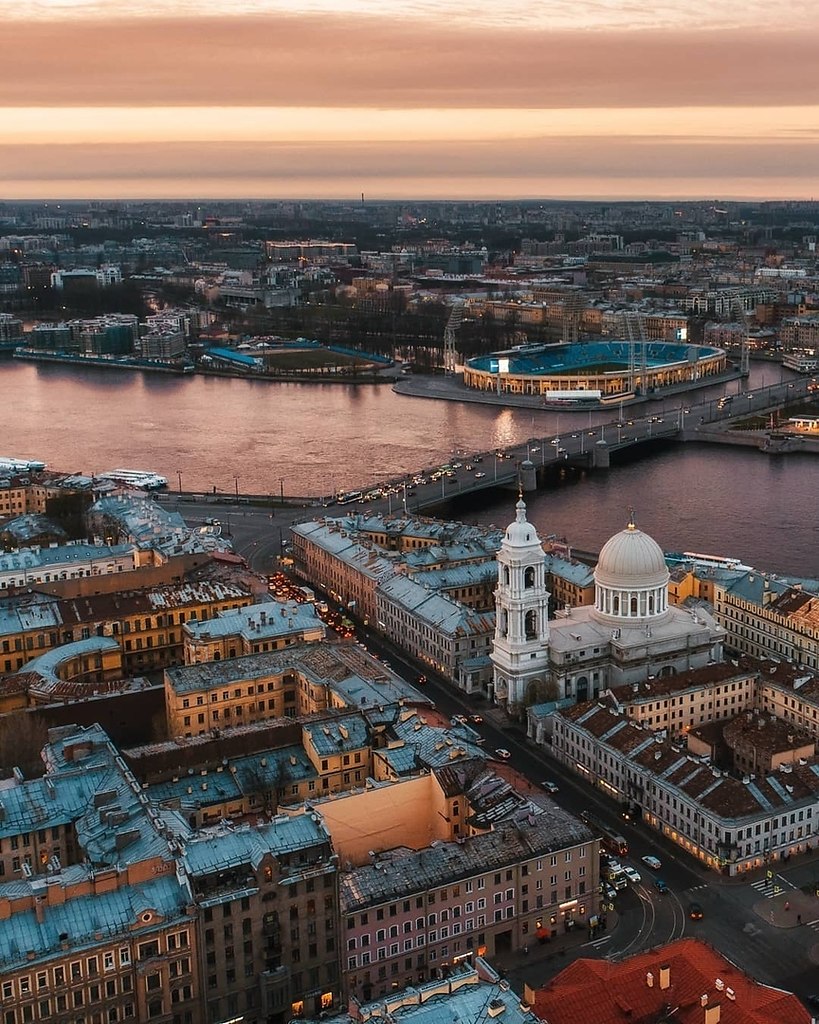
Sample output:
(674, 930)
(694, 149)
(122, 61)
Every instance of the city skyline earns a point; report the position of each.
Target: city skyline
(326, 99)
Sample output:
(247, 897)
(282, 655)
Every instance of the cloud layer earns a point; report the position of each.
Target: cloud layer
(333, 103)
(331, 61)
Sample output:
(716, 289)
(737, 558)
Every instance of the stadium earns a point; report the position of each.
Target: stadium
(594, 372)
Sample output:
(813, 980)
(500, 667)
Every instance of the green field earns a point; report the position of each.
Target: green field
(310, 359)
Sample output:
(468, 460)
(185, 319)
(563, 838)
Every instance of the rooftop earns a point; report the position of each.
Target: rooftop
(688, 975)
(416, 871)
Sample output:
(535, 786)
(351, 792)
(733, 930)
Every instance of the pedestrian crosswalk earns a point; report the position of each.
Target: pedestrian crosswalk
(813, 924)
(597, 943)
(773, 886)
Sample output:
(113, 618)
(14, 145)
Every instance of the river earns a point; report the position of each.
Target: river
(309, 439)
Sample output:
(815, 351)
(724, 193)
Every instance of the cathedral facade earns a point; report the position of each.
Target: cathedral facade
(631, 634)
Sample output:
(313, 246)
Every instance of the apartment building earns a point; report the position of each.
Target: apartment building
(799, 332)
(290, 682)
(731, 822)
(95, 923)
(146, 623)
(407, 916)
(685, 701)
(267, 900)
(331, 558)
(764, 616)
(31, 566)
(451, 638)
(267, 626)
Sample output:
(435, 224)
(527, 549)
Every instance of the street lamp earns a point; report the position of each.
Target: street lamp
(281, 489)
(236, 488)
(179, 478)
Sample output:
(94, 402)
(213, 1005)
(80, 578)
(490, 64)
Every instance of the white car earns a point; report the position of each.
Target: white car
(632, 875)
(503, 754)
(652, 862)
(549, 786)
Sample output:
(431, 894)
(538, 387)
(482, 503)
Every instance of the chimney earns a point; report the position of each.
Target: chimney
(712, 1013)
(665, 976)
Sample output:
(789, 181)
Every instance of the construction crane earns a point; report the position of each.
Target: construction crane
(453, 324)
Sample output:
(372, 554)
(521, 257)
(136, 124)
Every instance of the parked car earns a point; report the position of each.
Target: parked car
(549, 786)
(608, 892)
(695, 912)
(662, 888)
(476, 719)
(459, 719)
(633, 875)
(502, 753)
(652, 862)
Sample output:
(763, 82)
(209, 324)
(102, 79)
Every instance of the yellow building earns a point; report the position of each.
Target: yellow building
(146, 623)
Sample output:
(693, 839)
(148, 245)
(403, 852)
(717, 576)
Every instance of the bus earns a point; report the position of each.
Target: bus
(349, 497)
(611, 840)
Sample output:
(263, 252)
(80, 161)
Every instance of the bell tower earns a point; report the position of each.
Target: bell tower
(520, 652)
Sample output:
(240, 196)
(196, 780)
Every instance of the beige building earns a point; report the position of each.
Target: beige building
(731, 823)
(764, 617)
(685, 701)
(288, 683)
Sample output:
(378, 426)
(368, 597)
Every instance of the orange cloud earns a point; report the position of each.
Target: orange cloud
(330, 60)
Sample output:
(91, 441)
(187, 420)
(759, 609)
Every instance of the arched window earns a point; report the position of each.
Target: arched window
(529, 577)
(504, 622)
(531, 625)
(615, 604)
(650, 604)
(634, 606)
(506, 575)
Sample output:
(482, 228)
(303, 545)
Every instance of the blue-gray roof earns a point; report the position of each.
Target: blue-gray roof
(267, 620)
(230, 847)
(86, 920)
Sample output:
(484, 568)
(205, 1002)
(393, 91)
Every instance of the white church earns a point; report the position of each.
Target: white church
(629, 635)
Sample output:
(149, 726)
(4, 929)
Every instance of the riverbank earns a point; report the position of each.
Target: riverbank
(386, 376)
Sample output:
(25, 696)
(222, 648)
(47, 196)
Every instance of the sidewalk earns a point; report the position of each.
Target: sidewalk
(791, 909)
(547, 959)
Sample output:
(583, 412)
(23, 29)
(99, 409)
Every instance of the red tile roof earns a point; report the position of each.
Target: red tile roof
(619, 993)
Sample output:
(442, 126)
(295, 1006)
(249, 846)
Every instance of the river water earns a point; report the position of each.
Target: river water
(311, 439)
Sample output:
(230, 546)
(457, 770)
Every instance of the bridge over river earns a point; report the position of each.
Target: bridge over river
(530, 464)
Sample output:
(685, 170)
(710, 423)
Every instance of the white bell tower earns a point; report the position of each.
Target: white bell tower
(520, 652)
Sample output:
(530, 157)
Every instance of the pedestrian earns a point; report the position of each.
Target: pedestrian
(799, 919)
(787, 905)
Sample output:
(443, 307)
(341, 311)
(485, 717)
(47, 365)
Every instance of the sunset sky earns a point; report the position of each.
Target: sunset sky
(409, 99)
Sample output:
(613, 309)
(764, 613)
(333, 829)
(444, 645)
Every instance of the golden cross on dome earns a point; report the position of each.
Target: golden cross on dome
(631, 523)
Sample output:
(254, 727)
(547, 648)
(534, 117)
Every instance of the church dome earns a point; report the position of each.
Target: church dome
(631, 558)
(631, 578)
(521, 533)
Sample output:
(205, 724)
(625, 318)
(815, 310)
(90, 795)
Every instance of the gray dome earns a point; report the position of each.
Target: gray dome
(631, 559)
